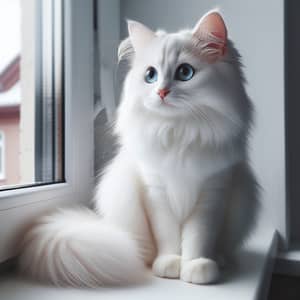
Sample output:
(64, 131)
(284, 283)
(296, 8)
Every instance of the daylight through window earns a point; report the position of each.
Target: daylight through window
(31, 92)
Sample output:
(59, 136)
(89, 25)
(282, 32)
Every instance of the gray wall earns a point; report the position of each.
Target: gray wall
(257, 29)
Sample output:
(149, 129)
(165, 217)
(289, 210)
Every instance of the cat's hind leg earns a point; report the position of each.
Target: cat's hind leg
(241, 211)
(120, 200)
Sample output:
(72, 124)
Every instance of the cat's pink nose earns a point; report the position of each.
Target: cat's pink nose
(163, 93)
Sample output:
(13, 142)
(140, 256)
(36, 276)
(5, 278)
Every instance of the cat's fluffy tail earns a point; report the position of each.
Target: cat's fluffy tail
(77, 248)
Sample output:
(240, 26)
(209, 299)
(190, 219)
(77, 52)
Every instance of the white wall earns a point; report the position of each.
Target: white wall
(257, 29)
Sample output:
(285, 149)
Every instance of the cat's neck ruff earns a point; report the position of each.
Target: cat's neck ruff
(168, 149)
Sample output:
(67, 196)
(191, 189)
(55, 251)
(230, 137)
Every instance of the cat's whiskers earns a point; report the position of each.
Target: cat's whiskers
(235, 124)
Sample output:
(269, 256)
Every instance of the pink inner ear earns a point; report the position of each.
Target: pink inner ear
(212, 24)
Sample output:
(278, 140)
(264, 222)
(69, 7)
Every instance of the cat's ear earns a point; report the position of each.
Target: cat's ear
(140, 35)
(212, 31)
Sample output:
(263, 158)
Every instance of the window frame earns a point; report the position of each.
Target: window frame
(2, 155)
(19, 206)
(49, 89)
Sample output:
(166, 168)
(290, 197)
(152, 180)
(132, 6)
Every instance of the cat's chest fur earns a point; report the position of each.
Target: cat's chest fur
(178, 176)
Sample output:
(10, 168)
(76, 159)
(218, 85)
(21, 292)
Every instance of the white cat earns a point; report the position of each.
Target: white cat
(179, 196)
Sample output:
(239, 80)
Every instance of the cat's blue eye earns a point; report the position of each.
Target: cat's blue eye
(151, 75)
(184, 72)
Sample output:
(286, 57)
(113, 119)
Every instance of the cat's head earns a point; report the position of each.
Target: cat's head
(192, 76)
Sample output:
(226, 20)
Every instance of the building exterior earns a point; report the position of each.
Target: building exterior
(17, 92)
(10, 100)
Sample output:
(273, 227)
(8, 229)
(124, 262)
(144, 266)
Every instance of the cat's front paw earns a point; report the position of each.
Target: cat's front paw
(200, 271)
(167, 266)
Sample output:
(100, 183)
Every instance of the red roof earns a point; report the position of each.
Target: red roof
(10, 75)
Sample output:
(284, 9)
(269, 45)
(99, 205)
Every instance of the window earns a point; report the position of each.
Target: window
(70, 176)
(49, 89)
(32, 91)
(2, 156)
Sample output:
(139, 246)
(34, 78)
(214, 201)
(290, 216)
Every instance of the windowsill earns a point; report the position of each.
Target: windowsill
(249, 279)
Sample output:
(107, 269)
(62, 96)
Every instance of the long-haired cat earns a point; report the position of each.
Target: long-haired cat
(179, 196)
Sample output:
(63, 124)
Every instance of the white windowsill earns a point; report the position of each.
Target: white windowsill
(249, 280)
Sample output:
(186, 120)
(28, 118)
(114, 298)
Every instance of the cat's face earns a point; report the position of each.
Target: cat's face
(187, 76)
(169, 79)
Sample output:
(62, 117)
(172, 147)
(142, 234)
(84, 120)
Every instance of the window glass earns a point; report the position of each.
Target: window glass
(31, 91)
(2, 157)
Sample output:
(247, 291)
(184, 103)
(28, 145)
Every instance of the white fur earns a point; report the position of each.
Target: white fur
(179, 194)
(75, 247)
(200, 271)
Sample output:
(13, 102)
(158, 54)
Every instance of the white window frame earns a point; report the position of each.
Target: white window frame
(2, 155)
(19, 207)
